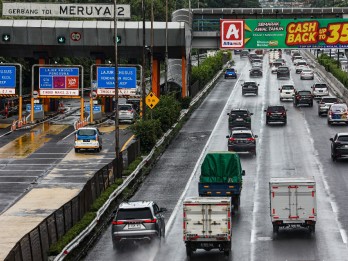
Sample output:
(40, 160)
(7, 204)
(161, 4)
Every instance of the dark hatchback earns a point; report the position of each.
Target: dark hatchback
(239, 118)
(255, 72)
(276, 113)
(250, 87)
(242, 141)
(283, 72)
(303, 97)
(339, 146)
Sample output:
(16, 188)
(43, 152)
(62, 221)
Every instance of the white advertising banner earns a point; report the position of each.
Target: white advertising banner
(109, 92)
(7, 91)
(66, 10)
(56, 92)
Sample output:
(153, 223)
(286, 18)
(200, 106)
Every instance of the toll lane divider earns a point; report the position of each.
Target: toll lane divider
(77, 240)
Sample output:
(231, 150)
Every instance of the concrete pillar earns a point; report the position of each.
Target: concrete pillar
(156, 77)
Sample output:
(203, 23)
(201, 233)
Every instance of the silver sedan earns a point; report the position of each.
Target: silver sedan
(307, 74)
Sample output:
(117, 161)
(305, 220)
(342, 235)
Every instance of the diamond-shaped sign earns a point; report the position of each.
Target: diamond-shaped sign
(151, 100)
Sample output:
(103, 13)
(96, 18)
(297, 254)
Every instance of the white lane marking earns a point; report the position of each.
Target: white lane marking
(253, 238)
(181, 199)
(9, 170)
(343, 235)
(327, 187)
(18, 176)
(334, 206)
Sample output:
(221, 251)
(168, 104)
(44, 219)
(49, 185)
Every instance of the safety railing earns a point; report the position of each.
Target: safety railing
(35, 245)
(206, 25)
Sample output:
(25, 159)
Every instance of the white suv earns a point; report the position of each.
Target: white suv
(287, 91)
(126, 112)
(320, 89)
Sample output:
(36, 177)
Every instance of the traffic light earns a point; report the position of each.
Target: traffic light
(61, 39)
(6, 37)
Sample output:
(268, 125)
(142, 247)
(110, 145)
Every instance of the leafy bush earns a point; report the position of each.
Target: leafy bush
(333, 67)
(148, 131)
(132, 166)
(185, 102)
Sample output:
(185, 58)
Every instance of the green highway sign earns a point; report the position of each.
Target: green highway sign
(61, 39)
(118, 38)
(6, 38)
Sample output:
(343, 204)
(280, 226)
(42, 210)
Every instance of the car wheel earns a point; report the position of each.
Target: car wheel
(329, 122)
(281, 99)
(267, 122)
(319, 114)
(285, 122)
(333, 157)
(77, 150)
(311, 104)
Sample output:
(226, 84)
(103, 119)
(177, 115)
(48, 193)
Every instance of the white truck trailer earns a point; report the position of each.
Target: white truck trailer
(207, 224)
(293, 203)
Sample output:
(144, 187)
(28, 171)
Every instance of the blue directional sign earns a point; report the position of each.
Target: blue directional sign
(127, 77)
(96, 108)
(7, 76)
(59, 77)
(37, 107)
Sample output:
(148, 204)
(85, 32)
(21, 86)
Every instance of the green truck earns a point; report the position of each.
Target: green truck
(221, 176)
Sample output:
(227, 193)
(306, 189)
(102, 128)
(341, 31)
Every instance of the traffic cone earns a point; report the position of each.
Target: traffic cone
(19, 124)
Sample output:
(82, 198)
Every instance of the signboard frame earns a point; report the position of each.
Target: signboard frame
(8, 83)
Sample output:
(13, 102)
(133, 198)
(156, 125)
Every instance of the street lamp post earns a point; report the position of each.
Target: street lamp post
(117, 130)
(143, 79)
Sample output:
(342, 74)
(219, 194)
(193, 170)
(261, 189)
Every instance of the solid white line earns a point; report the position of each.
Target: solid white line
(181, 199)
(9, 170)
(343, 235)
(18, 177)
(333, 206)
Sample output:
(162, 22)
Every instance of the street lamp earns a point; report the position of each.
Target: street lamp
(117, 130)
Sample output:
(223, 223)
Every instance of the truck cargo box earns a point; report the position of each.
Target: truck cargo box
(293, 202)
(221, 167)
(207, 224)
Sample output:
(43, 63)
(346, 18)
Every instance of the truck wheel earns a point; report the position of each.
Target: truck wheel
(235, 203)
(189, 251)
(77, 150)
(275, 231)
(227, 249)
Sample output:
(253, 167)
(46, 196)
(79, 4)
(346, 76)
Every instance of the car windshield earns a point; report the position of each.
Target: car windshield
(304, 93)
(283, 69)
(306, 71)
(250, 83)
(230, 70)
(241, 135)
(323, 85)
(239, 113)
(275, 109)
(139, 213)
(86, 132)
(301, 63)
(124, 107)
(276, 64)
(342, 138)
(287, 87)
(329, 100)
(338, 108)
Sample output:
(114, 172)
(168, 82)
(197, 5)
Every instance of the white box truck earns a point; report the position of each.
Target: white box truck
(207, 224)
(293, 203)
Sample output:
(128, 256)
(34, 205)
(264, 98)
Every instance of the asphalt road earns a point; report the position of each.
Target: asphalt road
(301, 148)
(28, 156)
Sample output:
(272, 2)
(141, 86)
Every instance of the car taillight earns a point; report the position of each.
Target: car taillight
(231, 139)
(150, 221)
(96, 137)
(250, 139)
(298, 97)
(283, 113)
(76, 137)
(118, 222)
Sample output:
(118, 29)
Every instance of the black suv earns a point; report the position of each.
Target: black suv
(137, 221)
(303, 97)
(255, 72)
(239, 118)
(283, 72)
(339, 146)
(276, 113)
(250, 87)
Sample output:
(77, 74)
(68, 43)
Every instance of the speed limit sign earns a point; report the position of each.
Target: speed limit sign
(75, 36)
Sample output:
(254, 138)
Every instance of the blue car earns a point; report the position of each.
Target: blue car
(230, 73)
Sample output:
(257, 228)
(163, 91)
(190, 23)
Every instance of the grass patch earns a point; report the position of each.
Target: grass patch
(57, 247)
(132, 167)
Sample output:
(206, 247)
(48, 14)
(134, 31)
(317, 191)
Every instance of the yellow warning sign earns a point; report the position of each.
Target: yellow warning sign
(151, 100)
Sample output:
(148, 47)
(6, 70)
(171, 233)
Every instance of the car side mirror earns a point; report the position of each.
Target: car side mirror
(227, 136)
(162, 210)
(331, 139)
(251, 113)
(265, 110)
(243, 172)
(256, 136)
(228, 113)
